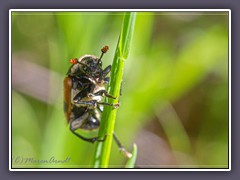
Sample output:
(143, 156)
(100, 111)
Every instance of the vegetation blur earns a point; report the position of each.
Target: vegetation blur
(174, 102)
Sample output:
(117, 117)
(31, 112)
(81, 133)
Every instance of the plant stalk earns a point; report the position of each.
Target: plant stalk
(103, 149)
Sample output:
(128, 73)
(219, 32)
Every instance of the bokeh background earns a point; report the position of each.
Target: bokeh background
(174, 102)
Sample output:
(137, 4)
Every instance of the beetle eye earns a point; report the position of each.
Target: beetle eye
(73, 61)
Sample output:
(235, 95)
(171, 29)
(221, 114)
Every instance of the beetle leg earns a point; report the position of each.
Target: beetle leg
(106, 80)
(108, 104)
(99, 108)
(77, 83)
(87, 103)
(105, 93)
(91, 79)
(79, 96)
(91, 140)
(95, 104)
(121, 148)
(108, 95)
(106, 71)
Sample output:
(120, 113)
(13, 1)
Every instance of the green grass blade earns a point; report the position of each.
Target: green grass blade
(131, 162)
(102, 151)
(126, 35)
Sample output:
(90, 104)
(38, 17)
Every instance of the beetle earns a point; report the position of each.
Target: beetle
(84, 89)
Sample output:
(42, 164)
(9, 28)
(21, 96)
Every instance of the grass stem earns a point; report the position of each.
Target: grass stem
(103, 149)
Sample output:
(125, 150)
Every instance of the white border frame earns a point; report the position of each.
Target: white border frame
(120, 10)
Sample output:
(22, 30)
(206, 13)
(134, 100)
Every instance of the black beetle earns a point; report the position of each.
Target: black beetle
(84, 89)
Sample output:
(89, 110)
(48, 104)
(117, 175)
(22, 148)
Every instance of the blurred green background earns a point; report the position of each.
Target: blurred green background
(174, 102)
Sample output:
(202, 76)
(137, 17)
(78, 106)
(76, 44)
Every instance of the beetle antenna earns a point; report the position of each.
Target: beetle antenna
(104, 50)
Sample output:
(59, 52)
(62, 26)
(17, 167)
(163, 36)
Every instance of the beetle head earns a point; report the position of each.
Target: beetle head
(90, 65)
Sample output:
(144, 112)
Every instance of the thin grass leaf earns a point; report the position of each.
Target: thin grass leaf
(102, 151)
(131, 162)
